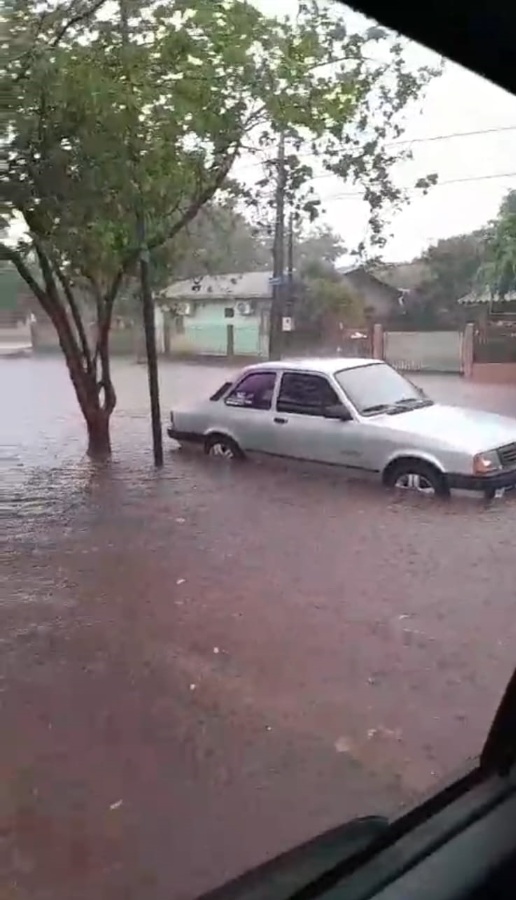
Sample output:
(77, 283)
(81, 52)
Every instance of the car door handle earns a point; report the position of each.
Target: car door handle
(279, 421)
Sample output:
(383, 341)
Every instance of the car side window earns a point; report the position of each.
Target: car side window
(254, 391)
(305, 394)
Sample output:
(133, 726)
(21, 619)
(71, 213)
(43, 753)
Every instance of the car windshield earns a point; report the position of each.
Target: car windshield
(378, 388)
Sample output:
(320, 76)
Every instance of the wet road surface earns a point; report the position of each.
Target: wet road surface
(204, 666)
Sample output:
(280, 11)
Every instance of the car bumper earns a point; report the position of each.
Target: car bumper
(484, 483)
(188, 437)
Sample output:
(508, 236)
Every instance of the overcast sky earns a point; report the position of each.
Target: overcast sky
(458, 101)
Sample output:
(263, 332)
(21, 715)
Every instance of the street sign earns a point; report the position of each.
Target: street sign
(287, 324)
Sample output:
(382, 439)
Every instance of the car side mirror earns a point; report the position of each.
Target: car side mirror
(337, 411)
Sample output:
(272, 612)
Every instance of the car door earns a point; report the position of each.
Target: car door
(303, 431)
(247, 413)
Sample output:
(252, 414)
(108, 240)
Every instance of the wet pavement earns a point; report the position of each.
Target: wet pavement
(204, 666)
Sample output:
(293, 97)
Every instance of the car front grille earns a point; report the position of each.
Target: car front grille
(507, 456)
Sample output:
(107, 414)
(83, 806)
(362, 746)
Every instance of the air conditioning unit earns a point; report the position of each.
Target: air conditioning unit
(244, 308)
(185, 309)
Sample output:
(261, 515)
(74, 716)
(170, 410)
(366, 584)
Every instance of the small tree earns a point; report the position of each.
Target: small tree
(93, 127)
(218, 241)
(498, 272)
(322, 293)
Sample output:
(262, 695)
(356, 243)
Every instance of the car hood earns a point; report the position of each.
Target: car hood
(470, 429)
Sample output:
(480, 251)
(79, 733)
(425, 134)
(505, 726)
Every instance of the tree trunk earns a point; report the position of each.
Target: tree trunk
(82, 362)
(99, 438)
(90, 393)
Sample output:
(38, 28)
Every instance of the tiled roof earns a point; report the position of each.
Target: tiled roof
(246, 285)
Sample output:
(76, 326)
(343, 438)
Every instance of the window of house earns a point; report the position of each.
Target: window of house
(305, 394)
(254, 391)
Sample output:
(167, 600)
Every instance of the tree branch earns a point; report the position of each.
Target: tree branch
(190, 213)
(76, 19)
(105, 306)
(9, 254)
(76, 316)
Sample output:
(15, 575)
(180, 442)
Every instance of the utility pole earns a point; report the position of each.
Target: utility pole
(288, 306)
(149, 325)
(278, 256)
(290, 260)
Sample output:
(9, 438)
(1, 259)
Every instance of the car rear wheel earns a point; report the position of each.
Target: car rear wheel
(222, 446)
(417, 476)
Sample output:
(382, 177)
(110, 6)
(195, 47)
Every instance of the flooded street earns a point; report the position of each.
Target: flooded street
(203, 666)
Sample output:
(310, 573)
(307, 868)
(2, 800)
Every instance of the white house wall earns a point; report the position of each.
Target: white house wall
(205, 332)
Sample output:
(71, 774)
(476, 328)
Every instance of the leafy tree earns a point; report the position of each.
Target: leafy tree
(321, 291)
(95, 127)
(498, 272)
(221, 240)
(451, 269)
(318, 245)
(218, 241)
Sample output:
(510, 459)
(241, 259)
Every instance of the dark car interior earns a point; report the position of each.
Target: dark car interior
(459, 843)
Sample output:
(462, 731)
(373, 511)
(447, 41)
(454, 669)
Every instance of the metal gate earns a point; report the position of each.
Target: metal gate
(424, 351)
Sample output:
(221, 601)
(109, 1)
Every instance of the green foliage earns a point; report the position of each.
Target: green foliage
(102, 128)
(321, 291)
(318, 245)
(451, 267)
(221, 240)
(498, 273)
(218, 241)
(469, 263)
(96, 127)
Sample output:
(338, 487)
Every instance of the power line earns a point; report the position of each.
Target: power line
(421, 140)
(457, 134)
(438, 184)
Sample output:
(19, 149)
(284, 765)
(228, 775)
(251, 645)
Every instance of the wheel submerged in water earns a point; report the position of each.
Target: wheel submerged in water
(418, 477)
(223, 447)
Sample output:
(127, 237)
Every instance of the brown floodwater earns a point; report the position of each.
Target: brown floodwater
(201, 666)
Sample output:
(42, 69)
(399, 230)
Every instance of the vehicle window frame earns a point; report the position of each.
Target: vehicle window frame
(378, 363)
(240, 380)
(303, 412)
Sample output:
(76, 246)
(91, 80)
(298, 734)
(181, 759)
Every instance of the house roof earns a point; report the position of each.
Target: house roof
(360, 275)
(406, 276)
(247, 285)
(486, 297)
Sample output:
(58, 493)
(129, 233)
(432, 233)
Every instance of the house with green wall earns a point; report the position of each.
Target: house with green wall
(202, 308)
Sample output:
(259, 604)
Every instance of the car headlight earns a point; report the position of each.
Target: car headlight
(484, 463)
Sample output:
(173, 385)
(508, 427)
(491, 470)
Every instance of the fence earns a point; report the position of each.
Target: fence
(495, 344)
(425, 351)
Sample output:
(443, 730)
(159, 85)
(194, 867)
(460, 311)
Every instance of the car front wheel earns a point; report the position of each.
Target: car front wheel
(417, 476)
(222, 446)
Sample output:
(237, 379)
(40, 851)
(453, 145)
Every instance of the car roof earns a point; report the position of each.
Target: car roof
(326, 365)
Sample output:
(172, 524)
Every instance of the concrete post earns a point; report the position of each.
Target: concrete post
(467, 350)
(230, 340)
(34, 333)
(167, 326)
(378, 344)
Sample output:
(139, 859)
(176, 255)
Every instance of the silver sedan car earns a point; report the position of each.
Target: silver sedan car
(358, 413)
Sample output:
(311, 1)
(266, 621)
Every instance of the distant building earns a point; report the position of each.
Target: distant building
(482, 306)
(201, 309)
(380, 300)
